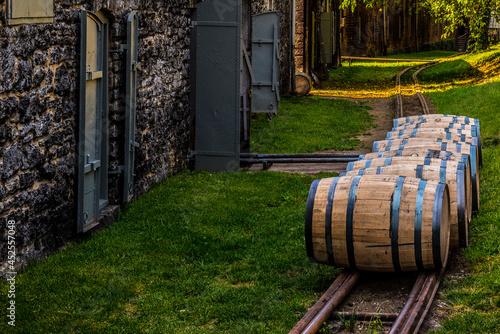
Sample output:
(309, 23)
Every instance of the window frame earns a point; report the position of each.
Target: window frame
(14, 18)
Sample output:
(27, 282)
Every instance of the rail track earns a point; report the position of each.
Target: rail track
(411, 316)
(408, 320)
(418, 92)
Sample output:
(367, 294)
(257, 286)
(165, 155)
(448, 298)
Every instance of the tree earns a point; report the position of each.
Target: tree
(454, 13)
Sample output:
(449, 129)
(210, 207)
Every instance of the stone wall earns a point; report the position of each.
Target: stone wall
(300, 36)
(39, 101)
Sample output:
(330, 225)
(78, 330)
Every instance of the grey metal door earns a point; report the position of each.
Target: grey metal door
(217, 85)
(92, 146)
(265, 62)
(327, 37)
(131, 104)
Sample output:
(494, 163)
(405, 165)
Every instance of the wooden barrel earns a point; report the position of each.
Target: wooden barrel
(459, 135)
(436, 118)
(303, 83)
(452, 147)
(435, 125)
(390, 144)
(455, 178)
(470, 130)
(418, 160)
(378, 223)
(430, 152)
(385, 144)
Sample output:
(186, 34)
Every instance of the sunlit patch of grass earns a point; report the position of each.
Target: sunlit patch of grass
(465, 69)
(310, 124)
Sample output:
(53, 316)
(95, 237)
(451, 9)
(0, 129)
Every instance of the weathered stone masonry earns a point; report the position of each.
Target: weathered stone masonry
(39, 71)
(39, 111)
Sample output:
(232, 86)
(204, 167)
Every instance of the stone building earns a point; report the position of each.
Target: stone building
(68, 78)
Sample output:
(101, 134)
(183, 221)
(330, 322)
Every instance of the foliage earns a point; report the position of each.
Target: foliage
(349, 324)
(453, 13)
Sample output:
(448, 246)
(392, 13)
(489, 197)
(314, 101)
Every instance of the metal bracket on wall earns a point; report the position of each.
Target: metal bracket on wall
(247, 60)
(123, 48)
(118, 171)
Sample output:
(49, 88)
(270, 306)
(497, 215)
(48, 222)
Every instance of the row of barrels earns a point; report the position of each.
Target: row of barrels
(403, 206)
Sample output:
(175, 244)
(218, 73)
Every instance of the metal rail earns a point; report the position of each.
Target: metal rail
(423, 102)
(408, 321)
(420, 96)
(399, 98)
(321, 311)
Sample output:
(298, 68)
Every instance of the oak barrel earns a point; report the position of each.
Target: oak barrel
(442, 151)
(462, 133)
(436, 118)
(455, 178)
(456, 148)
(419, 160)
(435, 135)
(378, 223)
(423, 139)
(303, 83)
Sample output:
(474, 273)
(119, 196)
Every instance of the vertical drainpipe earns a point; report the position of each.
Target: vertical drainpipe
(416, 25)
(385, 28)
(292, 47)
(307, 36)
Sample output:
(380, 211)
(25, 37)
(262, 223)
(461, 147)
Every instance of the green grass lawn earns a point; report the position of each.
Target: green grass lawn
(473, 66)
(310, 124)
(429, 55)
(375, 75)
(365, 75)
(474, 301)
(211, 253)
(225, 253)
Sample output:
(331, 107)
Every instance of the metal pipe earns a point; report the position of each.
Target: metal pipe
(385, 30)
(299, 155)
(416, 24)
(297, 160)
(337, 298)
(292, 48)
